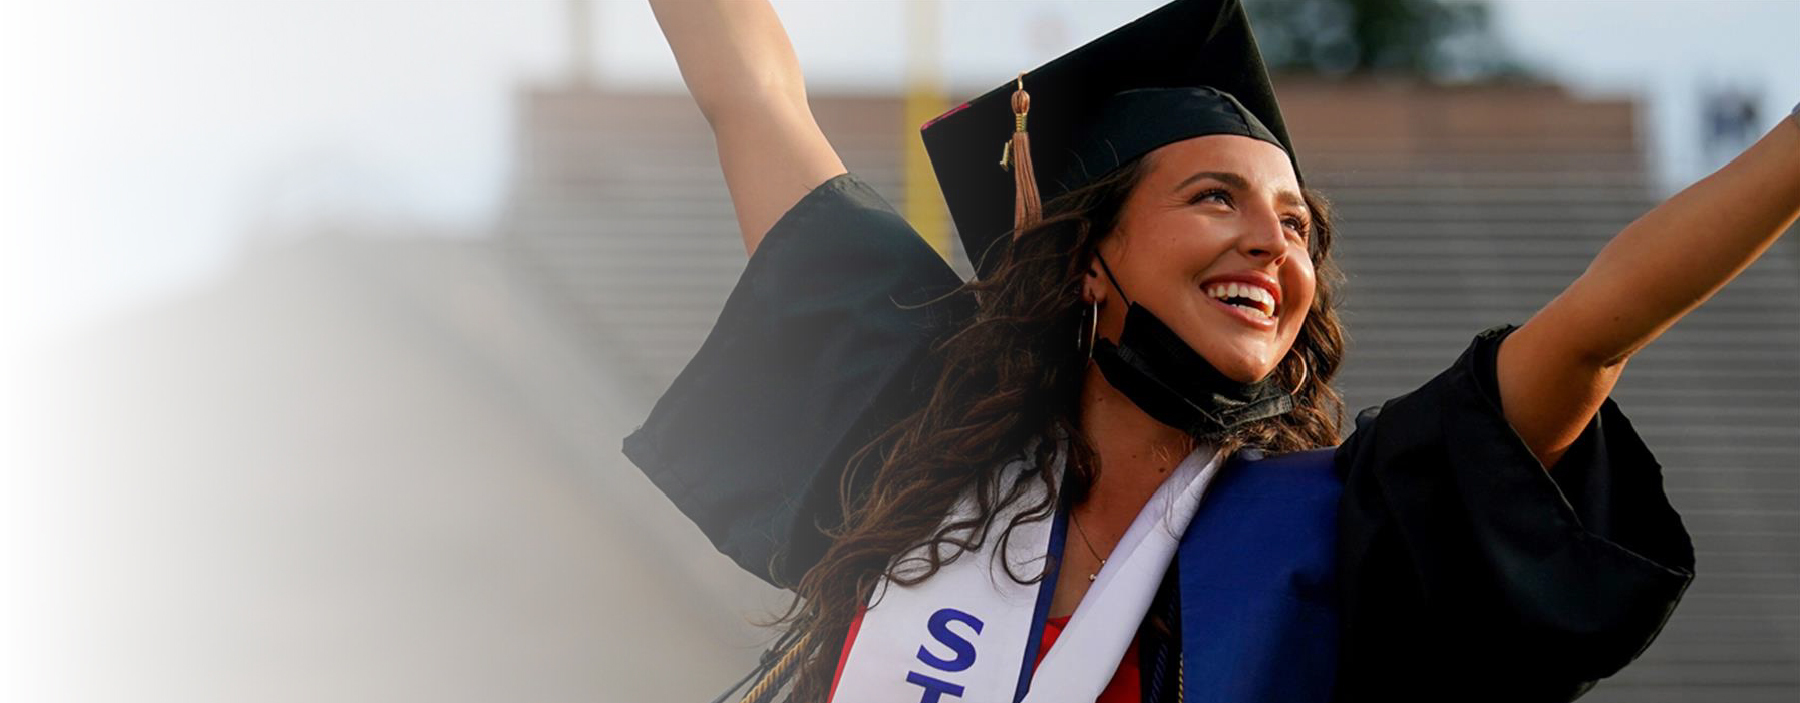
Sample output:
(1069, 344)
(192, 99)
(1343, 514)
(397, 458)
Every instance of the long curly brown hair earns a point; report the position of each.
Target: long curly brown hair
(1014, 373)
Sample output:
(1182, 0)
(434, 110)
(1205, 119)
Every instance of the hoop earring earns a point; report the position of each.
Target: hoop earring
(1093, 328)
(1305, 371)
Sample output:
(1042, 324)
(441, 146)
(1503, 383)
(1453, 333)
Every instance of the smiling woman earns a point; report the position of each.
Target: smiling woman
(1143, 365)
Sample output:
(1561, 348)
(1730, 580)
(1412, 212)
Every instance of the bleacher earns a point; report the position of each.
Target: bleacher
(1470, 208)
(1459, 209)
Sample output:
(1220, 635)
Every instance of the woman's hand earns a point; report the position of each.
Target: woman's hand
(1556, 369)
(741, 70)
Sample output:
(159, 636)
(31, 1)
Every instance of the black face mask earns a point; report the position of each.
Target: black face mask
(1174, 384)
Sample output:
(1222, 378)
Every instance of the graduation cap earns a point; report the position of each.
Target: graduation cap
(1186, 70)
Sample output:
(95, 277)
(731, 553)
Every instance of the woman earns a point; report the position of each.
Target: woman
(976, 490)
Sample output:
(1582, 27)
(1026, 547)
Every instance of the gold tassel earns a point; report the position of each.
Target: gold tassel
(1027, 208)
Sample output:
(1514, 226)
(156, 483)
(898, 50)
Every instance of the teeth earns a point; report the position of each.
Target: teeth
(1265, 301)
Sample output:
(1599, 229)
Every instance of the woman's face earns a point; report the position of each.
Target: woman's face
(1215, 219)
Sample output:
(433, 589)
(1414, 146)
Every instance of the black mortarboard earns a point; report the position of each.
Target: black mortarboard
(1188, 69)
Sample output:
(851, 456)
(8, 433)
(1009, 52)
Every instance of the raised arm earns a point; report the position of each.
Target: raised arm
(741, 70)
(1556, 369)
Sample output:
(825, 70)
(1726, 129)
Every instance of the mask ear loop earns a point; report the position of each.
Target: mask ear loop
(1114, 279)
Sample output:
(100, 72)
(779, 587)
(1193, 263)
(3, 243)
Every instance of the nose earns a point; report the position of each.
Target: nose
(1263, 238)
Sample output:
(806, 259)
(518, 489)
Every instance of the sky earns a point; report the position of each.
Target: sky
(146, 145)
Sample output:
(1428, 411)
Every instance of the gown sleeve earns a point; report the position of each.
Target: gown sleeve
(1468, 572)
(820, 346)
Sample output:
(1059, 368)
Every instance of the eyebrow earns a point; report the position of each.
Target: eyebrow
(1285, 196)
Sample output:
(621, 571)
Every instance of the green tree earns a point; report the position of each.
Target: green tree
(1451, 41)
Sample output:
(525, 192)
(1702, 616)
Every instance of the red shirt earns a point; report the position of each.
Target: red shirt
(1122, 689)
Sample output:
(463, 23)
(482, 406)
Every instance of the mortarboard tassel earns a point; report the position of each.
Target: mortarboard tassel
(1027, 209)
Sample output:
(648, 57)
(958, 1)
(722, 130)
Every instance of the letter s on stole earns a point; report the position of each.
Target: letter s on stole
(962, 650)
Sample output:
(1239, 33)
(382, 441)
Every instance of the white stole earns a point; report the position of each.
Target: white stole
(963, 634)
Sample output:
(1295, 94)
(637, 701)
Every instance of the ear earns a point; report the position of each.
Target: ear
(1093, 288)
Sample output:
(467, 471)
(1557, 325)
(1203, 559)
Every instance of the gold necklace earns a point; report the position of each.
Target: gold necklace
(1090, 546)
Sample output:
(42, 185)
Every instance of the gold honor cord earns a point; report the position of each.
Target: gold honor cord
(771, 682)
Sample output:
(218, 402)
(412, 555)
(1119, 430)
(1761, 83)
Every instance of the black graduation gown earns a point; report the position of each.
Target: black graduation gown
(1465, 571)
(820, 345)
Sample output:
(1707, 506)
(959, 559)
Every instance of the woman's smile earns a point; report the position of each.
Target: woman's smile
(1244, 314)
(1250, 296)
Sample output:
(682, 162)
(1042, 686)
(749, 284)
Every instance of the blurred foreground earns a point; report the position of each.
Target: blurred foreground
(358, 470)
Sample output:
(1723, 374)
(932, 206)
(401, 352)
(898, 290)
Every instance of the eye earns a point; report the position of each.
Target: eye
(1220, 195)
(1298, 225)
